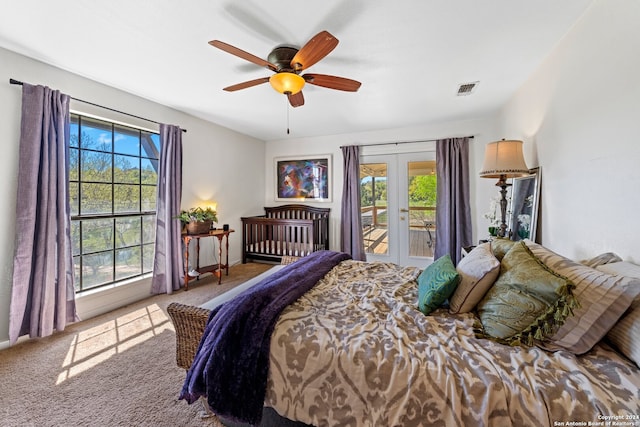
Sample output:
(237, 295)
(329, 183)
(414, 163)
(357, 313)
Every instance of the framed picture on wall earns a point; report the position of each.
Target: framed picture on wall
(303, 178)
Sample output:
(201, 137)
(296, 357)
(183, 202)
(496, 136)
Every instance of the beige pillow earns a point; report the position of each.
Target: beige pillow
(478, 270)
(603, 299)
(625, 335)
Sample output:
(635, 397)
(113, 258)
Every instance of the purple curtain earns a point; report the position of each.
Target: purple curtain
(453, 213)
(168, 263)
(351, 240)
(42, 295)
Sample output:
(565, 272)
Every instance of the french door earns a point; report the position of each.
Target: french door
(398, 200)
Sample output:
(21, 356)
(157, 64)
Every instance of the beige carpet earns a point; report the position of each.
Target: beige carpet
(117, 369)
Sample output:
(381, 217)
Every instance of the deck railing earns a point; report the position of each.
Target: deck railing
(374, 216)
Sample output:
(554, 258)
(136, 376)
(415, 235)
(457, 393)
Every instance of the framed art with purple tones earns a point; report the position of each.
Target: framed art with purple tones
(303, 178)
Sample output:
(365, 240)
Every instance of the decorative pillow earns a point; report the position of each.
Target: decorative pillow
(436, 283)
(500, 246)
(478, 270)
(603, 298)
(601, 259)
(625, 335)
(527, 302)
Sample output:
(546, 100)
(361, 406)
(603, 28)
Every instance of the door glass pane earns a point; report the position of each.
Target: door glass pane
(373, 207)
(422, 207)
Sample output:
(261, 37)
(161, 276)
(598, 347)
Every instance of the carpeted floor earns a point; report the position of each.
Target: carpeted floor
(117, 369)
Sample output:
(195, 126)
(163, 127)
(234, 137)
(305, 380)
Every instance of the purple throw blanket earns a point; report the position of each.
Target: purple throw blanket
(232, 361)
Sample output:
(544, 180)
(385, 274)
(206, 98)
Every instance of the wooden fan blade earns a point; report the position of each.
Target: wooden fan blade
(242, 54)
(315, 49)
(332, 82)
(296, 100)
(246, 84)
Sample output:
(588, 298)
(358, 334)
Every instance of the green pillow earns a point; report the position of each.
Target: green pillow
(436, 283)
(500, 246)
(527, 302)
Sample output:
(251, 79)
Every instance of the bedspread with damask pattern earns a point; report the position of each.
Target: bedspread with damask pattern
(356, 351)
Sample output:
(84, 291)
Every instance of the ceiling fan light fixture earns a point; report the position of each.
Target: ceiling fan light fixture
(285, 82)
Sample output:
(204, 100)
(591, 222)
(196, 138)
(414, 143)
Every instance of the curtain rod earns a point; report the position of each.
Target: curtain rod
(17, 82)
(405, 142)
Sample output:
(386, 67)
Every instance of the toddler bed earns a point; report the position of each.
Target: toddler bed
(287, 230)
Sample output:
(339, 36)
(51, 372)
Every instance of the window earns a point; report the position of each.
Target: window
(112, 179)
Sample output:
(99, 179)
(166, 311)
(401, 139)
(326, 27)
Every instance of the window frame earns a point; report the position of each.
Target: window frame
(144, 211)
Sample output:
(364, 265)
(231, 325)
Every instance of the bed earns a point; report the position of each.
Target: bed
(354, 349)
(287, 230)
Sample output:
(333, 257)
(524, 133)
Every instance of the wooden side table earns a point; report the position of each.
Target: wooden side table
(214, 268)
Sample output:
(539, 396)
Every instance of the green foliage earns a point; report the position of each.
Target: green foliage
(197, 214)
(422, 190)
(366, 192)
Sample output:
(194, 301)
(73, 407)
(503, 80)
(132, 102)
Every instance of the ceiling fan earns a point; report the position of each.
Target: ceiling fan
(288, 62)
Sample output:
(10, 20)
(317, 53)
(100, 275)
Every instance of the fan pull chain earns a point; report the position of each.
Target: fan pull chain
(288, 116)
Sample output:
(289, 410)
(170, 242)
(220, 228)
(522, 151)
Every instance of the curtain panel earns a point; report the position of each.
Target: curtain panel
(453, 210)
(168, 264)
(42, 295)
(351, 239)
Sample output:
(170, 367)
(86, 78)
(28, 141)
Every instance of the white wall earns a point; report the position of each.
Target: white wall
(579, 115)
(218, 164)
(483, 131)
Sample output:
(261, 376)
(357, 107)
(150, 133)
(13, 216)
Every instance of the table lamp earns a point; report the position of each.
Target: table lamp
(503, 160)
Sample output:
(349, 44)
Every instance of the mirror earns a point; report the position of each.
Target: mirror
(525, 198)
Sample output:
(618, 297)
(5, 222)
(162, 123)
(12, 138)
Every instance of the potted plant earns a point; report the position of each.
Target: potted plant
(197, 220)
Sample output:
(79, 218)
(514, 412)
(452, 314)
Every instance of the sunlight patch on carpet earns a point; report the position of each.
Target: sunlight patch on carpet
(93, 346)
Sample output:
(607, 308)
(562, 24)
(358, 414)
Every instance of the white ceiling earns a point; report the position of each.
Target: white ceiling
(410, 55)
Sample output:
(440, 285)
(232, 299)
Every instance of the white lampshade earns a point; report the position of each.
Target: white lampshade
(504, 159)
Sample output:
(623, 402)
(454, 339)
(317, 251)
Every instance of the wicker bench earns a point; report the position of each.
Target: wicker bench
(189, 321)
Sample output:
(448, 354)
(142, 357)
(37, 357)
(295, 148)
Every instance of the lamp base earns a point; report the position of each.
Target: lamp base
(502, 183)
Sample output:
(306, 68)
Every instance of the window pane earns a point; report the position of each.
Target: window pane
(149, 171)
(97, 269)
(126, 140)
(95, 134)
(148, 229)
(96, 199)
(97, 235)
(74, 135)
(74, 198)
(127, 169)
(148, 198)
(74, 165)
(96, 166)
(148, 251)
(75, 238)
(150, 145)
(128, 263)
(126, 198)
(128, 232)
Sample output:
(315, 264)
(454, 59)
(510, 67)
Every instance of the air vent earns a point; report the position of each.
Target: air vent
(467, 88)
